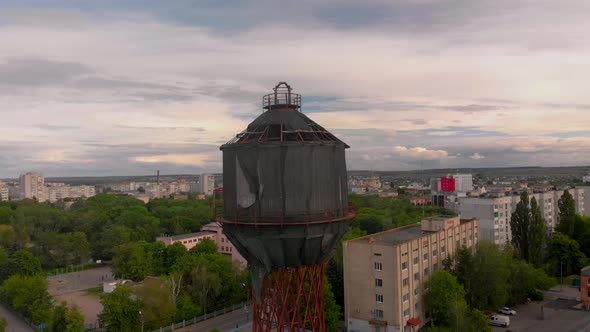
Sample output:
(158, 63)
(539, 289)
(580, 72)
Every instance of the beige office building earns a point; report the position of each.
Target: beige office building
(384, 273)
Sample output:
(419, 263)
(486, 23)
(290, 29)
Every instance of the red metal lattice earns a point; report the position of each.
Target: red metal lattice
(292, 299)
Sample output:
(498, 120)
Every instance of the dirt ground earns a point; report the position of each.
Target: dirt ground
(70, 287)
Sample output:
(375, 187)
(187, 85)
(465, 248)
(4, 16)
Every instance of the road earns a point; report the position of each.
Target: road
(15, 324)
(231, 322)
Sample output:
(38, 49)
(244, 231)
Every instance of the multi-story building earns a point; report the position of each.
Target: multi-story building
(57, 191)
(211, 231)
(31, 186)
(447, 184)
(463, 182)
(493, 212)
(82, 191)
(206, 184)
(4, 192)
(384, 273)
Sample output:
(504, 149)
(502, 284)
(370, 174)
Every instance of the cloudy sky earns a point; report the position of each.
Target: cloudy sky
(121, 87)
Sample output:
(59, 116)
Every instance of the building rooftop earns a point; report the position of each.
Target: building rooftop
(186, 236)
(585, 271)
(397, 236)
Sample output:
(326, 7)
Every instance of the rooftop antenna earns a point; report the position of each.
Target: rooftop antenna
(158, 177)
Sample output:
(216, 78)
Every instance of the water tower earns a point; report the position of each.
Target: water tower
(285, 209)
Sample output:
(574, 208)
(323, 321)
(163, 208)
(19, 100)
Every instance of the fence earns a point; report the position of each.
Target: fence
(202, 318)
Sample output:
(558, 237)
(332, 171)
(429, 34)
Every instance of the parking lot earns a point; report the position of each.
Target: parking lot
(554, 314)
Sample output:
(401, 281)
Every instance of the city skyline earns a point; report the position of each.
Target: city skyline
(118, 87)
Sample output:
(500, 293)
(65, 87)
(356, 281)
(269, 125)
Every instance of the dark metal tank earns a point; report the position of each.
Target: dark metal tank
(285, 187)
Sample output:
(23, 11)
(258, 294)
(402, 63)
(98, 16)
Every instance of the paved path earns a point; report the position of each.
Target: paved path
(15, 324)
(225, 323)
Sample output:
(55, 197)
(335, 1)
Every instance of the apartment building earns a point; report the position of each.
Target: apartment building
(463, 182)
(206, 184)
(493, 212)
(31, 186)
(385, 273)
(4, 192)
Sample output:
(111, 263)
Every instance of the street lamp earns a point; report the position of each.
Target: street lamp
(141, 319)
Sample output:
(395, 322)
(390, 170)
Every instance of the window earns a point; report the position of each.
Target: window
(406, 313)
(426, 271)
(434, 253)
(425, 257)
(416, 291)
(222, 239)
(378, 313)
(404, 265)
(406, 297)
(405, 282)
(435, 267)
(442, 249)
(417, 276)
(378, 266)
(378, 282)
(379, 298)
(417, 306)
(415, 260)
(230, 248)
(377, 254)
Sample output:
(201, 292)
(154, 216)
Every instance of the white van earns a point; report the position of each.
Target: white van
(500, 320)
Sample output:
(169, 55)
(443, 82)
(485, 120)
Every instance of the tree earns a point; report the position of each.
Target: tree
(3, 324)
(206, 284)
(64, 319)
(132, 261)
(21, 263)
(566, 256)
(537, 234)
(186, 308)
(7, 236)
(488, 286)
(567, 212)
(28, 296)
(158, 305)
(331, 308)
(520, 225)
(206, 246)
(443, 295)
(121, 310)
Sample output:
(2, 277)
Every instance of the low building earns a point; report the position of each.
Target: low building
(384, 273)
(212, 231)
(188, 240)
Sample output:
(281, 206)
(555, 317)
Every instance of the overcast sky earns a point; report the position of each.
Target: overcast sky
(123, 87)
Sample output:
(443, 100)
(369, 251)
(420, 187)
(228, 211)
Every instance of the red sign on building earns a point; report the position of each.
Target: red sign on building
(447, 184)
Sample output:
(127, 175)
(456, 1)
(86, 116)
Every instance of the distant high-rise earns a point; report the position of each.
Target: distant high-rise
(463, 182)
(31, 186)
(206, 184)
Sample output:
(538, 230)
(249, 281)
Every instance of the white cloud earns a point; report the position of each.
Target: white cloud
(476, 156)
(420, 153)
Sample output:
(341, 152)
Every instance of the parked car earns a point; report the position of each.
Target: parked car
(500, 320)
(507, 311)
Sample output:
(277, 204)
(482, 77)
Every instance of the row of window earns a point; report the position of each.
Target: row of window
(191, 241)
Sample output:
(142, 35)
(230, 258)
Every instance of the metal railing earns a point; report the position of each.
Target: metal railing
(203, 318)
